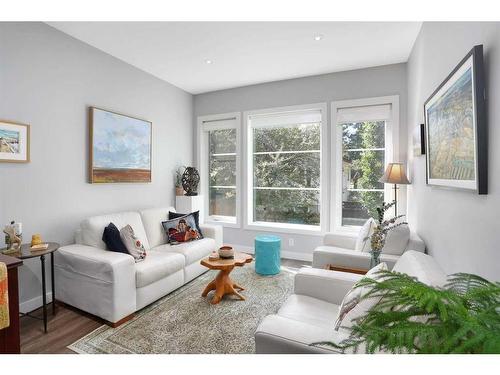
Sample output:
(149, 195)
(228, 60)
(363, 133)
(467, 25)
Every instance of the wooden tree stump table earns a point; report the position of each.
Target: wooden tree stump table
(223, 284)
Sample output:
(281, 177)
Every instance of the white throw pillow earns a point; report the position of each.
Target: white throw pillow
(397, 240)
(363, 240)
(132, 243)
(352, 307)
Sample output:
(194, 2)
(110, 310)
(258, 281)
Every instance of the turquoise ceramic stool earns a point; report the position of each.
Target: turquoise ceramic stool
(267, 255)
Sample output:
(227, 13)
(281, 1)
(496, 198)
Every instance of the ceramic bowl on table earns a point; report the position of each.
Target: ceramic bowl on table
(226, 252)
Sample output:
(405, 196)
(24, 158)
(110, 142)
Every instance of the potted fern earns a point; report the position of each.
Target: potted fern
(412, 317)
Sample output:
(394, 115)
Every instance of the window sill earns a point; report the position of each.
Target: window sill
(221, 222)
(311, 230)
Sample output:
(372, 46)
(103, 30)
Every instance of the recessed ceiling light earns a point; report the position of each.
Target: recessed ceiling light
(208, 61)
(318, 37)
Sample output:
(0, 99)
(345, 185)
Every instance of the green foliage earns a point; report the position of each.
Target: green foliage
(412, 317)
(371, 167)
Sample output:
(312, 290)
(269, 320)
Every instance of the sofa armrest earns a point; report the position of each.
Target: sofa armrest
(339, 240)
(98, 281)
(415, 243)
(213, 231)
(329, 286)
(329, 255)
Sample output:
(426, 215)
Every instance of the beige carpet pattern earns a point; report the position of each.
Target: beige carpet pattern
(185, 322)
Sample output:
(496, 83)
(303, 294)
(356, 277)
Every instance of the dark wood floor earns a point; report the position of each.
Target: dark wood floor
(68, 325)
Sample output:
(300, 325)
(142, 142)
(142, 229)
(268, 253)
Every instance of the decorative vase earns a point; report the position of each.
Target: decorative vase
(179, 191)
(190, 181)
(375, 259)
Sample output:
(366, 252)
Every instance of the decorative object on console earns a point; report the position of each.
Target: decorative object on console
(395, 174)
(419, 140)
(382, 228)
(190, 181)
(120, 148)
(182, 229)
(14, 142)
(196, 215)
(178, 181)
(111, 237)
(456, 130)
(460, 318)
(226, 252)
(12, 238)
(132, 243)
(36, 239)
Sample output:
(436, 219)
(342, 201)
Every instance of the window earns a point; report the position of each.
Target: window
(219, 160)
(364, 146)
(284, 169)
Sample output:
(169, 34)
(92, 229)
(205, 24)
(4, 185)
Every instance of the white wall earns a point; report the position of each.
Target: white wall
(356, 84)
(48, 80)
(461, 229)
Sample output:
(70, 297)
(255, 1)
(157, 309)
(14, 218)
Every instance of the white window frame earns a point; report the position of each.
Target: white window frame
(248, 176)
(203, 160)
(391, 154)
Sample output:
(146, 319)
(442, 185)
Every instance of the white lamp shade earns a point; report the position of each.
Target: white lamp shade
(395, 174)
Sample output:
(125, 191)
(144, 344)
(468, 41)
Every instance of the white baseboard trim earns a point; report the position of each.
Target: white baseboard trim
(34, 303)
(284, 254)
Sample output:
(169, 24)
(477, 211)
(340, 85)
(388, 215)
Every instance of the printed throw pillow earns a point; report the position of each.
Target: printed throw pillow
(363, 240)
(352, 307)
(132, 243)
(182, 229)
(196, 214)
(111, 237)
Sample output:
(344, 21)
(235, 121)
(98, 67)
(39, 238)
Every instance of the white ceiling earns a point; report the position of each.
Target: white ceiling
(245, 53)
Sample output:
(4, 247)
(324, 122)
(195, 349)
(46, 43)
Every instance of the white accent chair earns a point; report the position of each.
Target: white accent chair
(308, 316)
(111, 285)
(339, 250)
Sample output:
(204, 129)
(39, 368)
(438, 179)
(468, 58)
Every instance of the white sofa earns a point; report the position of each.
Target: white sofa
(111, 285)
(308, 316)
(339, 250)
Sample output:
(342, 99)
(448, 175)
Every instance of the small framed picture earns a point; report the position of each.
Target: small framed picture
(14, 142)
(419, 140)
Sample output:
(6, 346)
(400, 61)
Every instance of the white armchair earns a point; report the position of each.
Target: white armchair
(339, 250)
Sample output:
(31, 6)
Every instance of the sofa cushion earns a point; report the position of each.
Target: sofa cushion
(157, 265)
(192, 251)
(112, 239)
(397, 240)
(132, 243)
(309, 310)
(152, 219)
(421, 266)
(93, 228)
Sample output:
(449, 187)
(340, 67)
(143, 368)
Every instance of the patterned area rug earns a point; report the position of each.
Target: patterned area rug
(185, 322)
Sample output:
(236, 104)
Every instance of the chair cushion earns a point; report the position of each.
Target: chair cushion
(93, 228)
(157, 265)
(152, 219)
(309, 310)
(397, 240)
(192, 251)
(421, 266)
(362, 241)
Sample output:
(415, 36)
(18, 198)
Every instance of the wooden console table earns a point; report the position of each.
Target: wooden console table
(358, 271)
(9, 337)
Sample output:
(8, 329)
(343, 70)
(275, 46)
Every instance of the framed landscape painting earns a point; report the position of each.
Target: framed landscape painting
(14, 142)
(120, 148)
(456, 130)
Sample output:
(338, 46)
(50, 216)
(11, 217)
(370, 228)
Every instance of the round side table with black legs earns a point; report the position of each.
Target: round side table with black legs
(26, 253)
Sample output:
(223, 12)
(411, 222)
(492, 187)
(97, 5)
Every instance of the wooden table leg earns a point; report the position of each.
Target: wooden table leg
(209, 287)
(223, 285)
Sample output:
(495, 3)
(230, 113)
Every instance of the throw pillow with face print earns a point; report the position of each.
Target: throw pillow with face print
(182, 229)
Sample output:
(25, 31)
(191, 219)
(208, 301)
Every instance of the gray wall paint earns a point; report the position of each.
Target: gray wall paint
(461, 229)
(356, 84)
(48, 80)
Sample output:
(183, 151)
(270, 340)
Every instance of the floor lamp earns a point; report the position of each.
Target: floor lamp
(395, 174)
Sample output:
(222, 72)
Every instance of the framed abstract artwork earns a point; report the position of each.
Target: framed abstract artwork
(120, 148)
(456, 138)
(14, 142)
